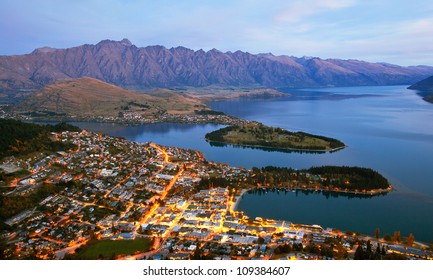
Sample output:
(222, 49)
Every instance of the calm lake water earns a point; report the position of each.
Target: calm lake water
(389, 129)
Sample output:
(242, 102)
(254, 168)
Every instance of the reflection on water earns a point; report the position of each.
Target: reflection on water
(266, 149)
(326, 194)
(345, 212)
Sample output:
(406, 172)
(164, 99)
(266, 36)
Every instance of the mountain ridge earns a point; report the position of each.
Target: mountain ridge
(123, 64)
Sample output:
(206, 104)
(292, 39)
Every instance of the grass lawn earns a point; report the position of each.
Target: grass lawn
(260, 135)
(110, 248)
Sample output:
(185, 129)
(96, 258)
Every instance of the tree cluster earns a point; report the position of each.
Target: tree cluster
(12, 205)
(218, 135)
(351, 177)
(343, 177)
(19, 138)
(208, 183)
(208, 112)
(266, 136)
(369, 253)
(333, 143)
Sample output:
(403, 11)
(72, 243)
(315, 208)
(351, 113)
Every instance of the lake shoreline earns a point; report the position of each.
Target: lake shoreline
(294, 189)
(394, 137)
(276, 148)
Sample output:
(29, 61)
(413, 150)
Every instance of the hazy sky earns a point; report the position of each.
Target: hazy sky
(394, 31)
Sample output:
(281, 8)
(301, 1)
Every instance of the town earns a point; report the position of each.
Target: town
(108, 188)
(131, 118)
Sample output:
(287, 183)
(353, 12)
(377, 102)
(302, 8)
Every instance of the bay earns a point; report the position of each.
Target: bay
(389, 129)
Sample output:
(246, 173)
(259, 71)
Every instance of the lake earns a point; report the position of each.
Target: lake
(389, 129)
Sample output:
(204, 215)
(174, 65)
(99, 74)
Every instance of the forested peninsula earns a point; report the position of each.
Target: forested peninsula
(338, 179)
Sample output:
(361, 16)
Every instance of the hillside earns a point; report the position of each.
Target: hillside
(123, 64)
(19, 138)
(86, 97)
(212, 93)
(424, 88)
(424, 85)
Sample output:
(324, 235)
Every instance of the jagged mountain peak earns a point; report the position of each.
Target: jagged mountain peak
(123, 64)
(126, 42)
(44, 50)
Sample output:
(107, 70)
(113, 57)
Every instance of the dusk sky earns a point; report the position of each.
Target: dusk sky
(394, 31)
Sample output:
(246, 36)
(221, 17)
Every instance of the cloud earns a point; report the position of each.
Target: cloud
(417, 28)
(411, 41)
(298, 10)
(385, 30)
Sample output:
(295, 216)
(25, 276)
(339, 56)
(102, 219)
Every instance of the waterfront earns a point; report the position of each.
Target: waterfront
(386, 128)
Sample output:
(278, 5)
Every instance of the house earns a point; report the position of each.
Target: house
(126, 235)
(106, 172)
(179, 256)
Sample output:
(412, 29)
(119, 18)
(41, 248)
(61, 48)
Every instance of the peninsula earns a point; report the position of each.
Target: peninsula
(258, 135)
(424, 89)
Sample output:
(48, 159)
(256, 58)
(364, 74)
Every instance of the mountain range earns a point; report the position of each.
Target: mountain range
(123, 64)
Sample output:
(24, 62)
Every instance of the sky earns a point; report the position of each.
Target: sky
(392, 31)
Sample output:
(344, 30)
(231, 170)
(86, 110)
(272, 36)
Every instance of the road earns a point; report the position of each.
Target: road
(169, 185)
(159, 242)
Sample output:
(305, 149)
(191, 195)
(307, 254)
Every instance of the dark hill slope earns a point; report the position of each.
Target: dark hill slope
(424, 85)
(19, 138)
(424, 88)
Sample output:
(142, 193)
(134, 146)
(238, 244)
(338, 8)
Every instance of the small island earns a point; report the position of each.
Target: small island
(258, 135)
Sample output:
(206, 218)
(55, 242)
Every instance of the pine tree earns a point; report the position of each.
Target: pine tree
(359, 253)
(410, 239)
(368, 247)
(396, 237)
(3, 247)
(378, 252)
(377, 233)
(383, 251)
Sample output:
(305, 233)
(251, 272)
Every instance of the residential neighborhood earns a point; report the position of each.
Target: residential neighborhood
(109, 188)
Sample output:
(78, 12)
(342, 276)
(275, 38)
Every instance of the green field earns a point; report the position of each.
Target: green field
(108, 249)
(259, 135)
